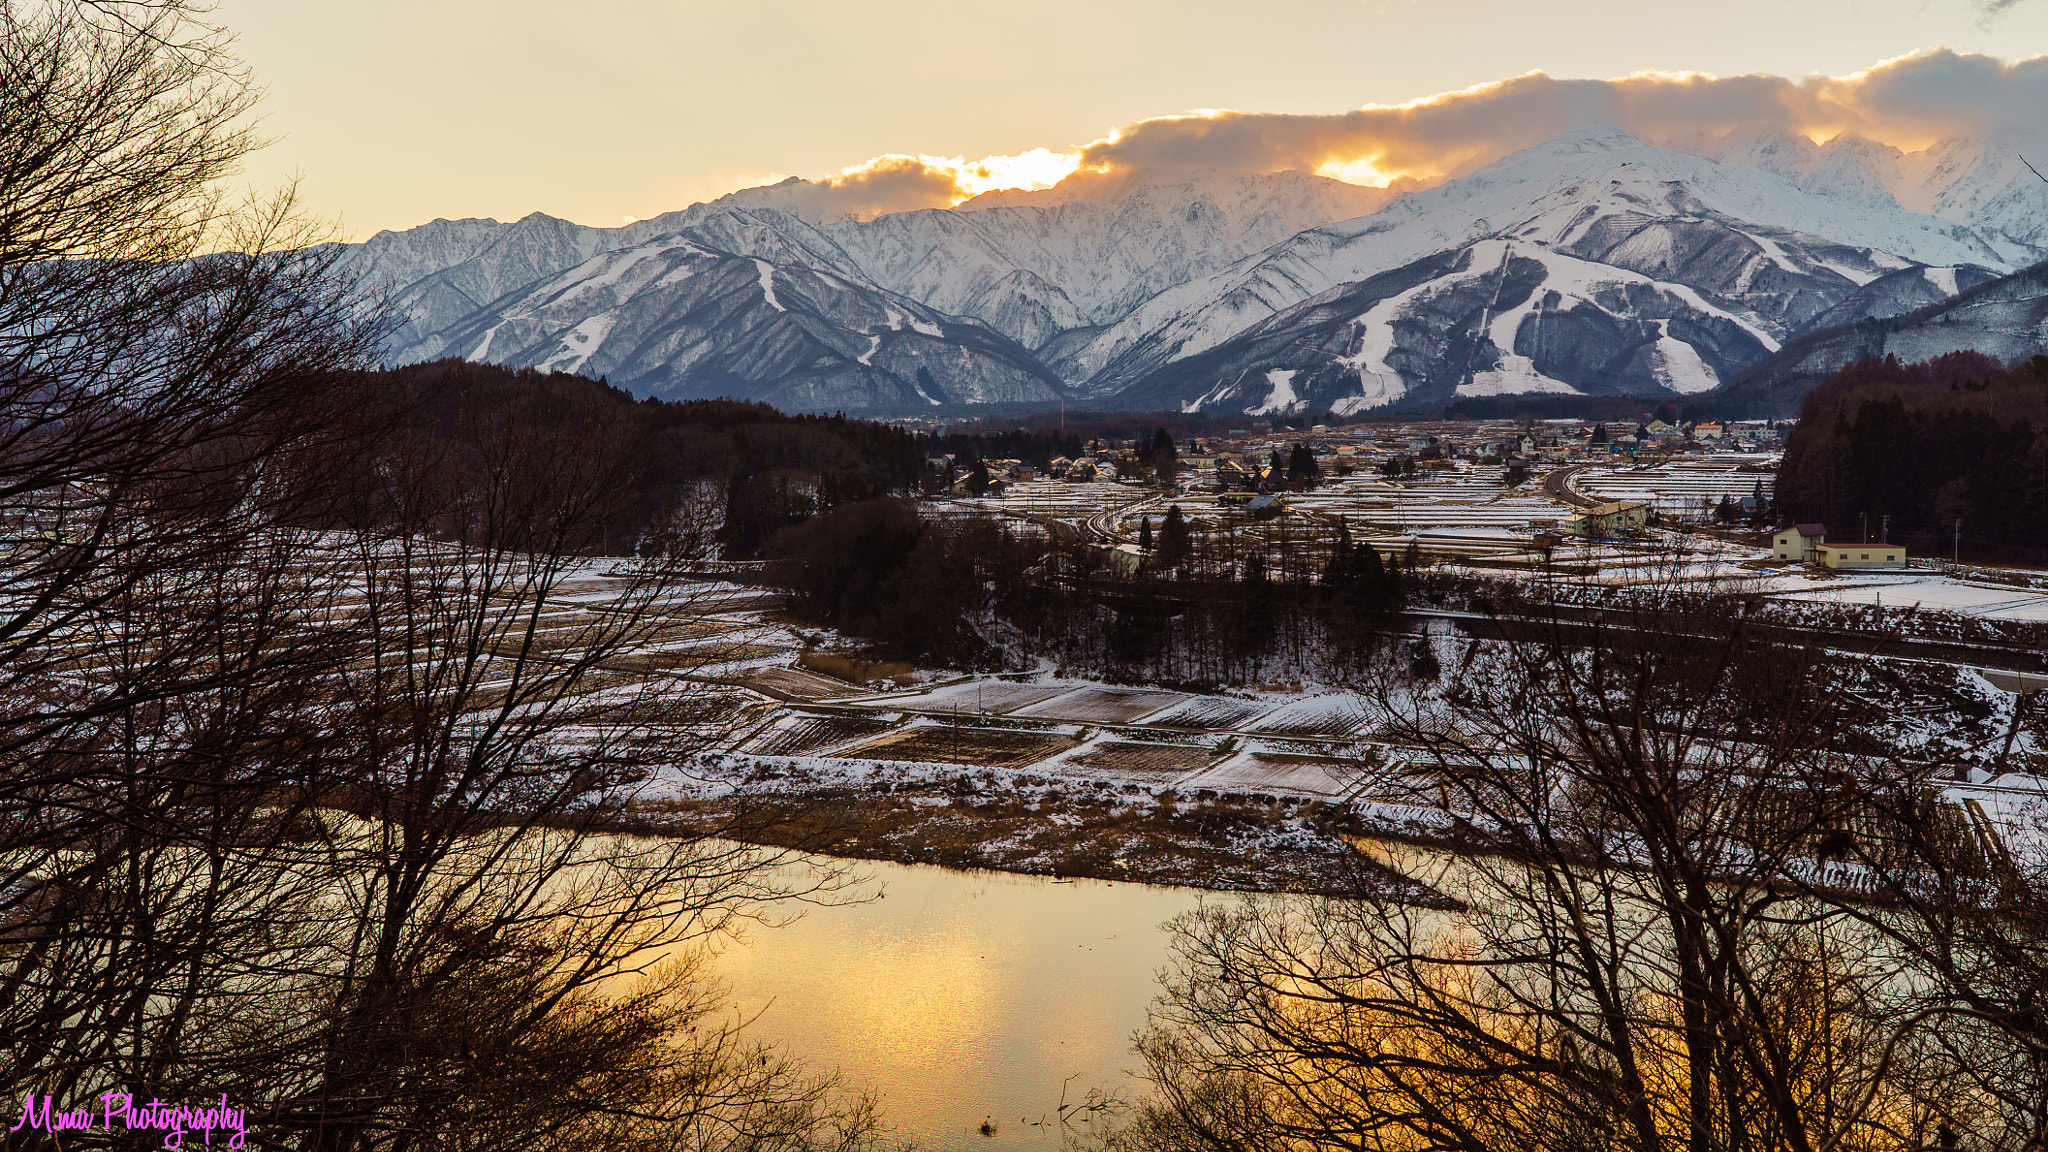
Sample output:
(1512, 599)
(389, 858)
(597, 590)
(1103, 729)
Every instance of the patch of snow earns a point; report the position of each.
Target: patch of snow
(615, 264)
(768, 285)
(1518, 373)
(1776, 254)
(1678, 364)
(1377, 382)
(1213, 395)
(1943, 279)
(868, 357)
(926, 329)
(484, 348)
(1280, 398)
(1516, 376)
(579, 343)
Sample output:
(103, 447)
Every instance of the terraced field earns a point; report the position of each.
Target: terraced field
(804, 735)
(1145, 763)
(1103, 705)
(1276, 772)
(994, 697)
(943, 744)
(1212, 712)
(1316, 716)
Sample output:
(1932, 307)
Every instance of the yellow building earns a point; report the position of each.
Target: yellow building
(1798, 542)
(1613, 518)
(1840, 556)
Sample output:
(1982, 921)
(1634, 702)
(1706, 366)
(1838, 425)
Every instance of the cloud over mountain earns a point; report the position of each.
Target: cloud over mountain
(1908, 102)
(900, 183)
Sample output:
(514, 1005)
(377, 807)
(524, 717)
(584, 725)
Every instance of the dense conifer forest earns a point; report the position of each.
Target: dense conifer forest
(770, 470)
(1959, 438)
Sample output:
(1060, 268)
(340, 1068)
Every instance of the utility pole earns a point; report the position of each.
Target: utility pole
(1959, 541)
(1866, 526)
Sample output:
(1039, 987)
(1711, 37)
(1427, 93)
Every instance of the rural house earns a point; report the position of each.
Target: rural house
(1798, 542)
(1613, 518)
(1853, 556)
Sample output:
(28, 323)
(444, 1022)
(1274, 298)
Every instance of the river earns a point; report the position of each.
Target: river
(965, 996)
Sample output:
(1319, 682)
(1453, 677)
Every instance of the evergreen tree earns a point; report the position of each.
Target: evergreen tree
(1163, 456)
(978, 479)
(1145, 534)
(1301, 466)
(1342, 570)
(1378, 586)
(1174, 546)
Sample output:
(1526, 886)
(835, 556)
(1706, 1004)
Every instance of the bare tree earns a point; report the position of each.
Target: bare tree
(514, 691)
(309, 699)
(1650, 948)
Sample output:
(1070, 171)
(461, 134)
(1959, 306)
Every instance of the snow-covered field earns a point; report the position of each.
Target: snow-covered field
(1688, 487)
(1926, 591)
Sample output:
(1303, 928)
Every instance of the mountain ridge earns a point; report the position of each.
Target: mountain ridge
(1113, 288)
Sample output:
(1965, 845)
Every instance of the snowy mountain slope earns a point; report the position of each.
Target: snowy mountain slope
(1122, 285)
(1030, 270)
(1103, 259)
(1897, 293)
(1981, 183)
(436, 275)
(1754, 240)
(2006, 318)
(674, 319)
(1496, 317)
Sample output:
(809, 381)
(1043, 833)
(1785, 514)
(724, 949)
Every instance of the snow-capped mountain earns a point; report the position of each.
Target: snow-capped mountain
(1591, 263)
(1031, 265)
(1645, 237)
(1495, 317)
(2006, 318)
(676, 319)
(1984, 183)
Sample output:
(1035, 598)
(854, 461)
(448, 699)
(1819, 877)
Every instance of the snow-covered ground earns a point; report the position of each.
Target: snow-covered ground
(1926, 591)
(1686, 486)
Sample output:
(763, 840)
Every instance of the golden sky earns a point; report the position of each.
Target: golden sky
(395, 112)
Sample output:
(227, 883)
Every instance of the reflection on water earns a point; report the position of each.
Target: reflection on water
(965, 995)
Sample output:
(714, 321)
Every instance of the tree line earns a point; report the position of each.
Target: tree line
(1960, 439)
(1230, 606)
(768, 469)
(312, 676)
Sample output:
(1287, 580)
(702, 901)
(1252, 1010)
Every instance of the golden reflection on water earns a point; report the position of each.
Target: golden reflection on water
(961, 996)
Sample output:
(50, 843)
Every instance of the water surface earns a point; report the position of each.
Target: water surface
(965, 996)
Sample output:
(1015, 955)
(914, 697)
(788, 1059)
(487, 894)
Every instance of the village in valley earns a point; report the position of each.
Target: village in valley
(1272, 784)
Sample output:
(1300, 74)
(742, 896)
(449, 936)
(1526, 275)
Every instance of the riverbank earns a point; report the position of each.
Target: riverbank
(1031, 825)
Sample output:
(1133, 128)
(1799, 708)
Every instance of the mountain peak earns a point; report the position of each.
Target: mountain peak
(1596, 138)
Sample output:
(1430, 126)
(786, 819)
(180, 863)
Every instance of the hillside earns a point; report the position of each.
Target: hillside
(1958, 439)
(2005, 319)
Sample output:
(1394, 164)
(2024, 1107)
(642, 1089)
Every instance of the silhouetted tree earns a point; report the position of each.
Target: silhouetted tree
(1163, 456)
(1302, 470)
(1174, 547)
(1630, 954)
